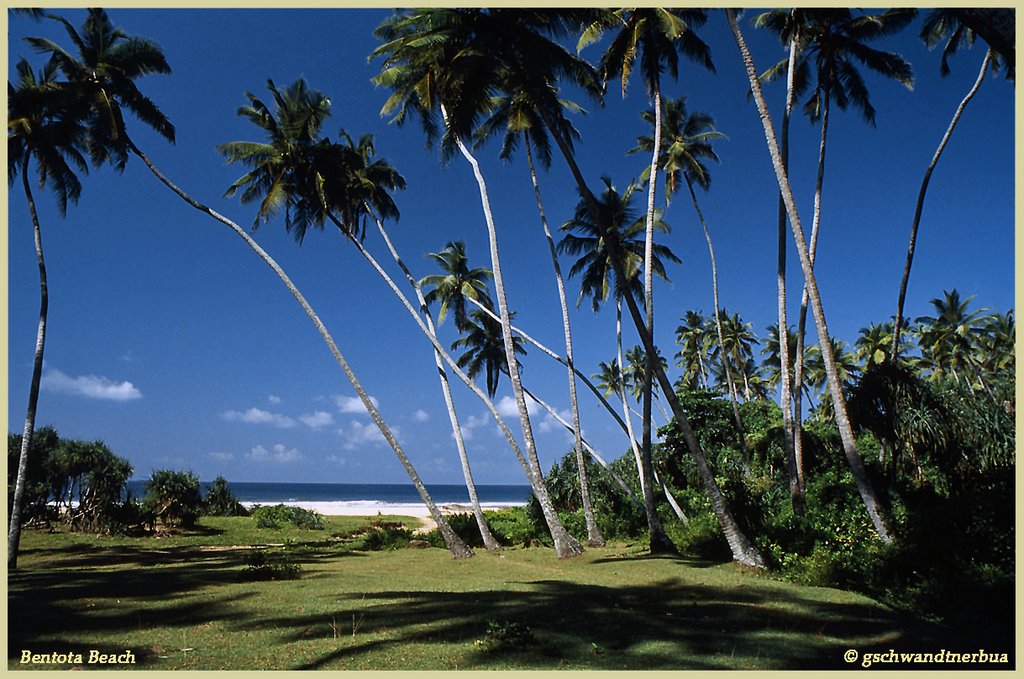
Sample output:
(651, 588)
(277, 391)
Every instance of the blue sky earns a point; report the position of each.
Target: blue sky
(169, 340)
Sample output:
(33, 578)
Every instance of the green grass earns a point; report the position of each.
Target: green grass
(182, 602)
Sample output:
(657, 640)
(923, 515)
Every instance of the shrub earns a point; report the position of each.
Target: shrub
(267, 564)
(387, 536)
(173, 497)
(220, 501)
(506, 635)
(275, 516)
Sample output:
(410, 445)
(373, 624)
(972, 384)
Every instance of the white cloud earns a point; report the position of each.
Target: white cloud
(259, 416)
(549, 423)
(275, 400)
(507, 407)
(358, 434)
(337, 460)
(278, 453)
(223, 457)
(317, 420)
(352, 404)
(420, 415)
(90, 386)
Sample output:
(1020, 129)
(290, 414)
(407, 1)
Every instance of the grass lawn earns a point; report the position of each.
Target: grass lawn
(182, 602)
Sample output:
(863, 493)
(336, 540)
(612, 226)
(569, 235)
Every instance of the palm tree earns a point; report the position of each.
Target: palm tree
(948, 339)
(101, 77)
(485, 349)
(608, 252)
(40, 127)
(872, 342)
(654, 37)
(861, 479)
(691, 338)
(432, 64)
(948, 25)
(456, 284)
(531, 81)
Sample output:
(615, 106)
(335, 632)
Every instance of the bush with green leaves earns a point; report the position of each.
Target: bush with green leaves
(172, 497)
(506, 635)
(220, 501)
(276, 516)
(270, 564)
(386, 535)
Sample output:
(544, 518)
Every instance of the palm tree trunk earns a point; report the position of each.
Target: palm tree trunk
(743, 550)
(801, 327)
(594, 537)
(490, 542)
(794, 458)
(456, 546)
(860, 476)
(718, 329)
(14, 533)
(536, 479)
(565, 544)
(920, 202)
(660, 542)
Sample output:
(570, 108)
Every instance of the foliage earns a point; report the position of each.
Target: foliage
(386, 535)
(172, 497)
(220, 501)
(277, 516)
(270, 564)
(505, 635)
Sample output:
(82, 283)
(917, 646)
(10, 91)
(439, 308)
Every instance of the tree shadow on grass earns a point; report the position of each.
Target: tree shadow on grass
(667, 625)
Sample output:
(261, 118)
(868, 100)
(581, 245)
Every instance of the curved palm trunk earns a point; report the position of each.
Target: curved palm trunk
(565, 544)
(743, 550)
(456, 546)
(490, 542)
(660, 542)
(860, 476)
(14, 533)
(801, 328)
(533, 475)
(920, 203)
(794, 458)
(594, 537)
(718, 329)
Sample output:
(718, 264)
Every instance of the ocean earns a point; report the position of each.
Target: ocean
(362, 493)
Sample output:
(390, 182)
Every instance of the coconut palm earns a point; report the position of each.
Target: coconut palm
(522, 114)
(41, 127)
(457, 284)
(485, 349)
(861, 479)
(949, 338)
(436, 61)
(939, 25)
(691, 337)
(872, 343)
(654, 37)
(608, 252)
(101, 77)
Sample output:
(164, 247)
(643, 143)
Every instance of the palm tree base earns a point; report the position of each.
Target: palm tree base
(661, 544)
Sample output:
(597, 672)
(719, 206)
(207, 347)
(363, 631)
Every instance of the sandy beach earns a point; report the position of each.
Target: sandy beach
(368, 508)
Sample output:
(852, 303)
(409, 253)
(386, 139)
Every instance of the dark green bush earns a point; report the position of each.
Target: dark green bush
(220, 501)
(173, 498)
(276, 516)
(387, 536)
(270, 564)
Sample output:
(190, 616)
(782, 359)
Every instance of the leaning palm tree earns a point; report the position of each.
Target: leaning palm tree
(864, 487)
(948, 25)
(484, 349)
(456, 283)
(654, 37)
(102, 78)
(531, 80)
(42, 128)
(608, 260)
(433, 65)
(688, 144)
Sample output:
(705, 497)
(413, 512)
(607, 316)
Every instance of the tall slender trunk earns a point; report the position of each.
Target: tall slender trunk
(565, 544)
(14, 533)
(801, 328)
(456, 546)
(743, 550)
(535, 478)
(794, 457)
(860, 476)
(660, 542)
(485, 532)
(594, 537)
(718, 329)
(920, 202)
